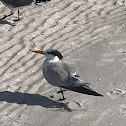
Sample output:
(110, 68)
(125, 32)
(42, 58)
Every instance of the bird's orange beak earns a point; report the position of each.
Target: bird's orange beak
(38, 51)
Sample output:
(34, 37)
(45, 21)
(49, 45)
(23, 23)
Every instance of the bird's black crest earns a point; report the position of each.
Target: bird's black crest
(57, 53)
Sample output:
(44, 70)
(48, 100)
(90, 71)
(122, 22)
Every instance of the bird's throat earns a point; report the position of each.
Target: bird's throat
(54, 59)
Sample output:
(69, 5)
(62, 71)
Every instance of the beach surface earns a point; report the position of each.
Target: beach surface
(91, 35)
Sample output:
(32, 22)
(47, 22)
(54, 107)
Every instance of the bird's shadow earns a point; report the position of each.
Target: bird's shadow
(31, 99)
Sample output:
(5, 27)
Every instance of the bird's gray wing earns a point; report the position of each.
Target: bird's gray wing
(18, 3)
(73, 78)
(76, 84)
(55, 74)
(70, 69)
(24, 2)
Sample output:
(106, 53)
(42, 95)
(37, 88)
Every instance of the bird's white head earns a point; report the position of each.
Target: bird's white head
(51, 54)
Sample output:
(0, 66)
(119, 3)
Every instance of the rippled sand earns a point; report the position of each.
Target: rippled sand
(91, 34)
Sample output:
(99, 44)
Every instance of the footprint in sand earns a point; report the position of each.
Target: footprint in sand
(123, 109)
(116, 93)
(77, 117)
(74, 105)
(83, 110)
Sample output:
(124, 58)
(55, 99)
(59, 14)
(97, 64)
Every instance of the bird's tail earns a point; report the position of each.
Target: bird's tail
(83, 89)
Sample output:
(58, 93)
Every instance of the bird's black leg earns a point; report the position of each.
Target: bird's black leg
(5, 16)
(18, 16)
(61, 91)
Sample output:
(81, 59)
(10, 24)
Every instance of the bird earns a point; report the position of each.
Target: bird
(14, 5)
(63, 75)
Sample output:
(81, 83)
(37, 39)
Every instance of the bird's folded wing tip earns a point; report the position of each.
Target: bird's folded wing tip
(101, 95)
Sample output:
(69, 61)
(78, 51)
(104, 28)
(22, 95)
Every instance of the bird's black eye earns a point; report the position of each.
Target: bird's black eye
(49, 52)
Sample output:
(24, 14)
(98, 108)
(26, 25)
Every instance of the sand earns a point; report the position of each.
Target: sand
(91, 34)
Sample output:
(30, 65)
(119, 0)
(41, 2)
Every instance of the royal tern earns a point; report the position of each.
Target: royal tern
(14, 5)
(61, 74)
